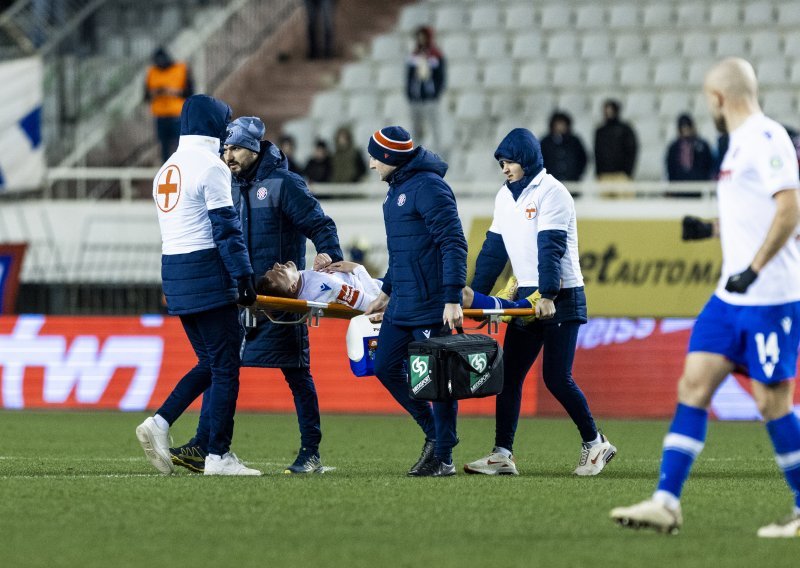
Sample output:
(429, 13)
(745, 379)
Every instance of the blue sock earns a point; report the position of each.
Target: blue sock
(484, 302)
(785, 435)
(682, 445)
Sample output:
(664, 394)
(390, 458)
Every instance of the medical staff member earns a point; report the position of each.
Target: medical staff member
(421, 293)
(535, 227)
(205, 271)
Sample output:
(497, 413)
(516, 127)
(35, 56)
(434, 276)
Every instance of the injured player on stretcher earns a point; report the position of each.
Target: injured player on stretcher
(349, 283)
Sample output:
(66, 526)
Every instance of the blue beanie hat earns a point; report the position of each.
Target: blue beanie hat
(246, 132)
(391, 145)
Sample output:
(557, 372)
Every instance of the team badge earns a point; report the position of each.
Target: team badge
(261, 193)
(401, 200)
(530, 211)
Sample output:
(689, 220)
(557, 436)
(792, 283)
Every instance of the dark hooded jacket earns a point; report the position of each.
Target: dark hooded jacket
(278, 213)
(426, 89)
(427, 248)
(522, 147)
(204, 279)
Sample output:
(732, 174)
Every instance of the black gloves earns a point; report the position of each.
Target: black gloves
(695, 229)
(247, 292)
(739, 283)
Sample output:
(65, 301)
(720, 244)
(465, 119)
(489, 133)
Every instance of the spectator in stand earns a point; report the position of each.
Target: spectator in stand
(318, 167)
(615, 146)
(167, 85)
(288, 146)
(426, 74)
(320, 13)
(347, 164)
(563, 152)
(689, 158)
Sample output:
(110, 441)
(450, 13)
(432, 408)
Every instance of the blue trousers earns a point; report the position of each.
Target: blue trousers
(305, 403)
(168, 130)
(520, 349)
(215, 337)
(439, 422)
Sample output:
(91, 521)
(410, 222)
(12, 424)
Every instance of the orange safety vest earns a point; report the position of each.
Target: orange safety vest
(173, 77)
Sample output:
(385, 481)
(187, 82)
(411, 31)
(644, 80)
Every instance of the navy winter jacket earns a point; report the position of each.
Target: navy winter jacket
(427, 248)
(278, 212)
(205, 279)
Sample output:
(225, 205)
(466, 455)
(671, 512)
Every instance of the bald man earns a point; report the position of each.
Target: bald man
(751, 323)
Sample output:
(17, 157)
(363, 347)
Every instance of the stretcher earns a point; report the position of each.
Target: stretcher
(311, 312)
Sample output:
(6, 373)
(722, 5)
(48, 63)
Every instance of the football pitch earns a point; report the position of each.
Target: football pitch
(75, 490)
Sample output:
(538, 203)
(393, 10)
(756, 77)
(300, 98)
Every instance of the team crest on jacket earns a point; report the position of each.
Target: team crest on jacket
(530, 211)
(261, 193)
(401, 200)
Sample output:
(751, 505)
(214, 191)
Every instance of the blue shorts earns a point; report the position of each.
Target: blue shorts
(761, 339)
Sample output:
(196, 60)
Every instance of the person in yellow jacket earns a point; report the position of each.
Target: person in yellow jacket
(167, 85)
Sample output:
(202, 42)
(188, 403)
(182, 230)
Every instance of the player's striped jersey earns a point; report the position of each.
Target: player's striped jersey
(190, 184)
(760, 162)
(357, 289)
(544, 205)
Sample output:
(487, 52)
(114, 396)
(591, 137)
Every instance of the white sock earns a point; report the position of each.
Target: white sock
(160, 422)
(667, 499)
(502, 451)
(214, 457)
(594, 442)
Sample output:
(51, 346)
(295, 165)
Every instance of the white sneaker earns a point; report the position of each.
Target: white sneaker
(649, 514)
(594, 458)
(155, 443)
(785, 528)
(228, 465)
(493, 464)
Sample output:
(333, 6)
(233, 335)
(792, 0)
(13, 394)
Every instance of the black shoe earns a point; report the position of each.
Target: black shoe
(436, 468)
(190, 456)
(307, 462)
(425, 457)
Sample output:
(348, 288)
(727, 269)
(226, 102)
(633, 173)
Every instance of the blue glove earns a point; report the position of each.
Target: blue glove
(739, 283)
(247, 292)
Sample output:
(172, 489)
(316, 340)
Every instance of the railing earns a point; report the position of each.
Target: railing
(126, 179)
(40, 26)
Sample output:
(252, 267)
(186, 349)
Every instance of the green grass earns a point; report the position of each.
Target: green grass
(75, 490)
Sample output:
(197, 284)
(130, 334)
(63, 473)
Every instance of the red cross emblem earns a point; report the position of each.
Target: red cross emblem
(166, 187)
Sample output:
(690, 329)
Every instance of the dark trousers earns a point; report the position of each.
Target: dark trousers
(438, 423)
(305, 403)
(168, 130)
(520, 349)
(320, 12)
(215, 337)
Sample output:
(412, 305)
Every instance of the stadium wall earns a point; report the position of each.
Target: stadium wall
(628, 367)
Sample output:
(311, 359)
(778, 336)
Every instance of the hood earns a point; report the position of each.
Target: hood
(522, 147)
(423, 160)
(205, 116)
(270, 158)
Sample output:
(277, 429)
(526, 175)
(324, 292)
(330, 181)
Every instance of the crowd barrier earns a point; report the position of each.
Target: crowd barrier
(626, 367)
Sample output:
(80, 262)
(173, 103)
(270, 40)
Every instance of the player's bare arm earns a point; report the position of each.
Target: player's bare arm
(377, 307)
(784, 224)
(345, 266)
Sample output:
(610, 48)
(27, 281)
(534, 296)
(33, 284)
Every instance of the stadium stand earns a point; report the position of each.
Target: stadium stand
(651, 55)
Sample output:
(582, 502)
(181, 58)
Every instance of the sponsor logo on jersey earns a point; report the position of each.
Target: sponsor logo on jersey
(324, 287)
(348, 295)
